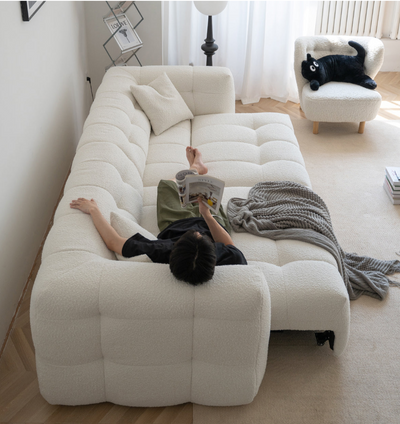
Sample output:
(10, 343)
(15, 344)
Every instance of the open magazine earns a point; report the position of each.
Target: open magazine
(192, 185)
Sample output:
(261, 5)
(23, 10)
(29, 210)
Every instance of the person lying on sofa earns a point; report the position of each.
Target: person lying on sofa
(192, 240)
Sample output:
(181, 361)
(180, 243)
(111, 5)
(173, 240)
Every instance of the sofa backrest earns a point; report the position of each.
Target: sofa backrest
(205, 89)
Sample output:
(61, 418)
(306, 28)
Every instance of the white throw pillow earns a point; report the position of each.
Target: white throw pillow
(162, 103)
(127, 228)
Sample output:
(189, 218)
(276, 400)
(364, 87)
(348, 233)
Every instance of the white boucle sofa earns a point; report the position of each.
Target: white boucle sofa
(127, 332)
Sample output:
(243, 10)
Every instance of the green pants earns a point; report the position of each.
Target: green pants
(169, 207)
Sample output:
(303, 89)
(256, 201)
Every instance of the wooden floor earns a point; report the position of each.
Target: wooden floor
(20, 400)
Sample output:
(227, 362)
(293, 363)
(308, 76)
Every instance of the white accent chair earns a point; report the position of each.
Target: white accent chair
(338, 101)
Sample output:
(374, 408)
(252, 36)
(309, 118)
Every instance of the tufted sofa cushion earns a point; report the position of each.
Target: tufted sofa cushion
(244, 149)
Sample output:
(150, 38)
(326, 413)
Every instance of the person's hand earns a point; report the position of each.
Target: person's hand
(204, 210)
(84, 205)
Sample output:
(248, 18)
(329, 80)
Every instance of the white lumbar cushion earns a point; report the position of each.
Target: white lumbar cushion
(162, 103)
(127, 228)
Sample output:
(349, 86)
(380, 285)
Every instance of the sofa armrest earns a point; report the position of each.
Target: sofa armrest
(138, 337)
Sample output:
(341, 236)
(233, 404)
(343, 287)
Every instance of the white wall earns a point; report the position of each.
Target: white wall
(149, 31)
(391, 61)
(43, 104)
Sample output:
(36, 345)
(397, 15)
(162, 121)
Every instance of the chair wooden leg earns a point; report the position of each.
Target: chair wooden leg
(361, 128)
(315, 128)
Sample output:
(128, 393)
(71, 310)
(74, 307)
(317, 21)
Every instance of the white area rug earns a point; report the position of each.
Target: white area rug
(304, 383)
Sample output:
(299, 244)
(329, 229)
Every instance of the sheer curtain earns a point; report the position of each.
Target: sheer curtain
(255, 39)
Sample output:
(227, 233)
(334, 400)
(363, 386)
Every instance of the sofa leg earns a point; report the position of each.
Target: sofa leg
(325, 336)
(361, 128)
(315, 128)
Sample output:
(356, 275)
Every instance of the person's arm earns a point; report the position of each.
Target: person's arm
(111, 238)
(157, 250)
(218, 233)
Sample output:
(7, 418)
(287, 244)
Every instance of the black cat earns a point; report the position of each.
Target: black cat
(337, 67)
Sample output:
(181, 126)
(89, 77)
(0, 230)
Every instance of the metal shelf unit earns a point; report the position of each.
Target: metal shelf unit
(121, 29)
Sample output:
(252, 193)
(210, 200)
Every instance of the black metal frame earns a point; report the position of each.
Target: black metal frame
(120, 9)
(26, 17)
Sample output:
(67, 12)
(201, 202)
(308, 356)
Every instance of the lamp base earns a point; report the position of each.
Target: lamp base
(209, 47)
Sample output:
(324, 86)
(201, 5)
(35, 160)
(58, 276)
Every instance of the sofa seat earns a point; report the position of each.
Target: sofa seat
(263, 143)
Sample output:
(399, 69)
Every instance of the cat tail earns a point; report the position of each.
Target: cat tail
(360, 50)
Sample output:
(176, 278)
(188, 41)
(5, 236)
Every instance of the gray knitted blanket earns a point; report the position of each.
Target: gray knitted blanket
(287, 210)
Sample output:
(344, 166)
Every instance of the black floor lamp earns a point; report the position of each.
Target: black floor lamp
(210, 8)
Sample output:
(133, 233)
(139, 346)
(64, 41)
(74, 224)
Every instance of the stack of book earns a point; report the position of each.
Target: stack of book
(392, 184)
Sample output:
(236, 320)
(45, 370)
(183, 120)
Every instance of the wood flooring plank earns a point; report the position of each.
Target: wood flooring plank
(169, 414)
(28, 336)
(98, 413)
(22, 319)
(43, 411)
(25, 414)
(269, 102)
(149, 416)
(12, 361)
(242, 109)
(8, 379)
(131, 415)
(12, 405)
(7, 394)
(185, 416)
(60, 414)
(114, 415)
(75, 414)
(24, 349)
(25, 306)
(3, 368)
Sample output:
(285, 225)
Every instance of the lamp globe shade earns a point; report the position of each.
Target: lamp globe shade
(210, 8)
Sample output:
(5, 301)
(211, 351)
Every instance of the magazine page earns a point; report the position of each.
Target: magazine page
(180, 179)
(209, 188)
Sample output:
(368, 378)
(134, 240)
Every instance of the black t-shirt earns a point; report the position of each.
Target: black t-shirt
(159, 250)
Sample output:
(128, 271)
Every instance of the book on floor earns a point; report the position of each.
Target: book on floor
(393, 195)
(393, 189)
(393, 174)
(191, 186)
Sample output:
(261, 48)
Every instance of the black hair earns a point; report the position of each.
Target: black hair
(193, 258)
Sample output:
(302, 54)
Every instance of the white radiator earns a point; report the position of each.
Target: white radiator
(360, 18)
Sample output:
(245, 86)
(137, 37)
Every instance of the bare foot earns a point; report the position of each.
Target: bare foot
(190, 155)
(198, 162)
